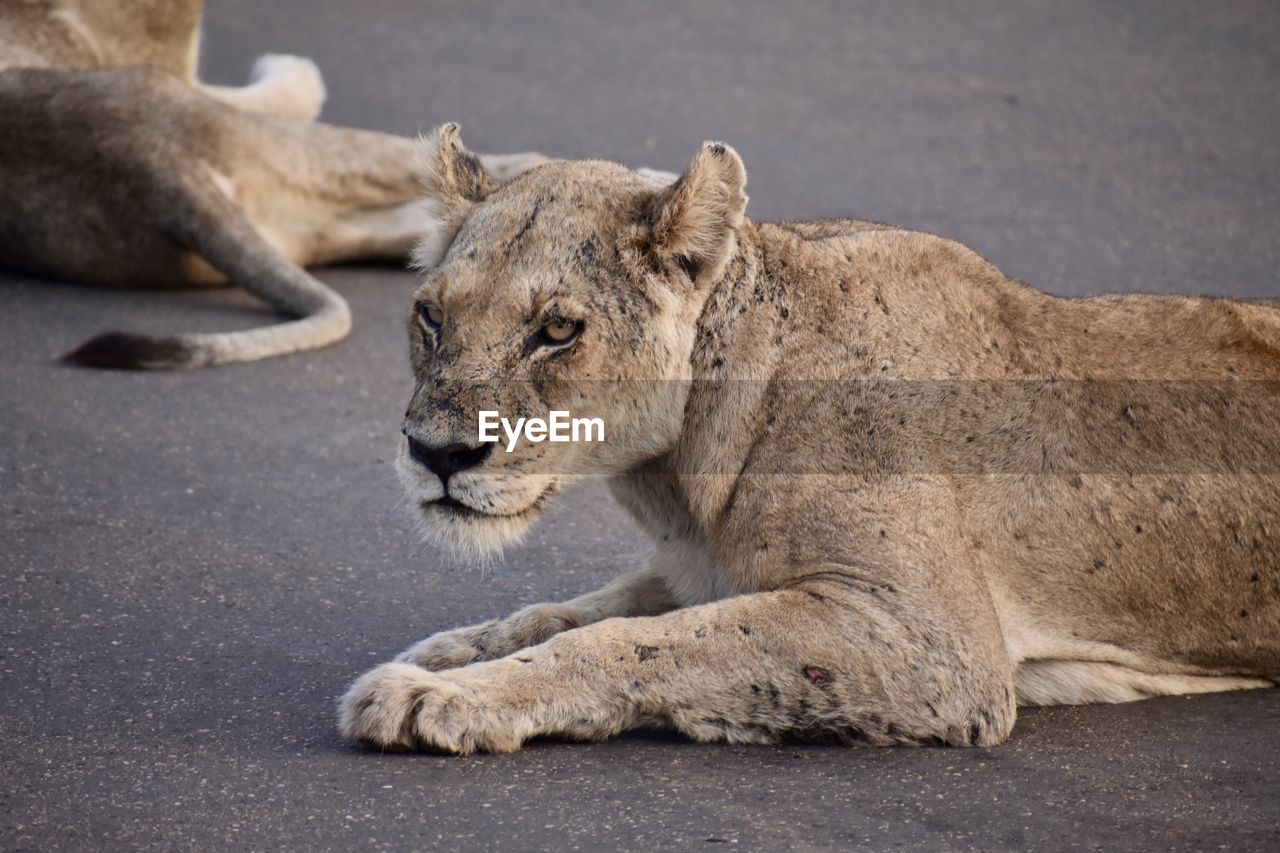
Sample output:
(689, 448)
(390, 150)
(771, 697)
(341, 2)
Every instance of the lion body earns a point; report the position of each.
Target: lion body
(1111, 576)
(893, 493)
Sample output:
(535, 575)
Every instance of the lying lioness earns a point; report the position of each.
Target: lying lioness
(117, 167)
(894, 494)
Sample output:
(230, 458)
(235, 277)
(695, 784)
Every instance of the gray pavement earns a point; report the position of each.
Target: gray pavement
(193, 567)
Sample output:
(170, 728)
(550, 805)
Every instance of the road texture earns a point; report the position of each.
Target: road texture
(193, 567)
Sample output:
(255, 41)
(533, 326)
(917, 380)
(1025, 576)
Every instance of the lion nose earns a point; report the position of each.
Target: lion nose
(448, 460)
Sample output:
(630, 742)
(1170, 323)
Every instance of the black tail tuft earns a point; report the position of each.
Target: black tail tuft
(123, 351)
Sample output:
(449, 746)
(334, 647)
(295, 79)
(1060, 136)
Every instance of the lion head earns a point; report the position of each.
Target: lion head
(575, 287)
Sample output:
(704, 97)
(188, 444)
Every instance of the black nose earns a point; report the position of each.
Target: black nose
(444, 462)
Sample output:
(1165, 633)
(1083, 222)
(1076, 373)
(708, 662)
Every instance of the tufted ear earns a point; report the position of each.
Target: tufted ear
(453, 179)
(694, 221)
(450, 173)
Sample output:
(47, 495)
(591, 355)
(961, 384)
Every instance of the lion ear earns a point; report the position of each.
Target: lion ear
(453, 179)
(693, 223)
(450, 173)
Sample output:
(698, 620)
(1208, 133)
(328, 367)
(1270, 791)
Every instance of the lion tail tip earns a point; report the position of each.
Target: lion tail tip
(125, 351)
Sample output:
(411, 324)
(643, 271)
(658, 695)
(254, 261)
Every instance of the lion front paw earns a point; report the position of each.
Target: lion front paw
(529, 627)
(398, 706)
(450, 649)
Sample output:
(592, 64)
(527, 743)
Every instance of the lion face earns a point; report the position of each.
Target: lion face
(546, 294)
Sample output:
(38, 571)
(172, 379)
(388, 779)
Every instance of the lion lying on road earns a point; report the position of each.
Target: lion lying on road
(894, 493)
(117, 167)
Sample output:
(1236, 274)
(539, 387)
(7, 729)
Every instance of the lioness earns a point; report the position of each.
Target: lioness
(894, 493)
(118, 167)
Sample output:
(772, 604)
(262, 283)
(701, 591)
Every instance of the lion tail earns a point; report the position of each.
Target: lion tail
(206, 221)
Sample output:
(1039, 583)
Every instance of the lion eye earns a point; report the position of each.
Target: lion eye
(560, 332)
(432, 316)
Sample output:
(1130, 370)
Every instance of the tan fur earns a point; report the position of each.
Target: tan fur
(118, 167)
(893, 492)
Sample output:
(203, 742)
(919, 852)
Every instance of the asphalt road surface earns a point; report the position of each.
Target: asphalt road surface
(193, 567)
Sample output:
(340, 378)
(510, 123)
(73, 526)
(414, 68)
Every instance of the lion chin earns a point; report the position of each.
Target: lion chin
(481, 514)
(451, 525)
(471, 535)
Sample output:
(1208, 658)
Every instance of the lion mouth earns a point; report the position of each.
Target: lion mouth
(454, 504)
(454, 507)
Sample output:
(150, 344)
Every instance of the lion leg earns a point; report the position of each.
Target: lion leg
(365, 230)
(368, 226)
(822, 659)
(637, 594)
(279, 85)
(504, 167)
(325, 194)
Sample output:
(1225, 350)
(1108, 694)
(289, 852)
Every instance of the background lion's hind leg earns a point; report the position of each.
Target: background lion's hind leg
(327, 194)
